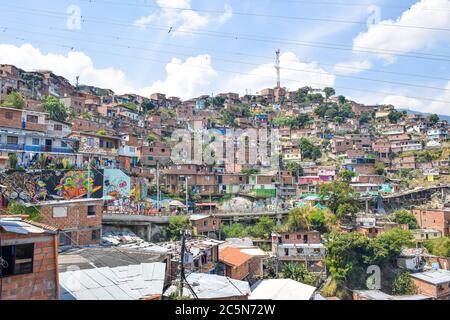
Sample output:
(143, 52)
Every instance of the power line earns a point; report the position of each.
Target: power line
(242, 73)
(240, 62)
(355, 4)
(227, 35)
(308, 61)
(262, 15)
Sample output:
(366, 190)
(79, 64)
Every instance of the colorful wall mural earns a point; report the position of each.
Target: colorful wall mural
(116, 184)
(109, 184)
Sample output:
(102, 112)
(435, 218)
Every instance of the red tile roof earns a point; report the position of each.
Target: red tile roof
(233, 256)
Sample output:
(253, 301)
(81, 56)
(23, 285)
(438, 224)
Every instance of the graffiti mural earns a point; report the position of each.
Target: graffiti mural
(116, 184)
(74, 184)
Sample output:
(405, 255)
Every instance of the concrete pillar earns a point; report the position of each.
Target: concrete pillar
(149, 232)
(279, 218)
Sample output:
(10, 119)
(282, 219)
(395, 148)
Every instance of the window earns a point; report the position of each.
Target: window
(95, 234)
(299, 250)
(9, 115)
(163, 150)
(35, 142)
(90, 142)
(19, 259)
(91, 211)
(65, 239)
(102, 143)
(32, 119)
(57, 127)
(12, 140)
(151, 149)
(286, 252)
(150, 158)
(286, 236)
(63, 144)
(59, 212)
(205, 223)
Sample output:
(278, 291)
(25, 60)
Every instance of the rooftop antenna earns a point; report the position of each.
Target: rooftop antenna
(277, 67)
(78, 78)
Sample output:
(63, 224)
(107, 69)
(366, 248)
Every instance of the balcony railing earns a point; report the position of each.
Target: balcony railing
(20, 147)
(8, 146)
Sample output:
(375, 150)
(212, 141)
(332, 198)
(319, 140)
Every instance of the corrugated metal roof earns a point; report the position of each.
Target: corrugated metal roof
(433, 276)
(16, 225)
(121, 283)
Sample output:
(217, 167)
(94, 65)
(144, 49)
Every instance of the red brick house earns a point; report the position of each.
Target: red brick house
(437, 219)
(235, 262)
(79, 221)
(29, 253)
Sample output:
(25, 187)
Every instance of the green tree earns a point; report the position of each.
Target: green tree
(347, 175)
(388, 245)
(298, 219)
(131, 105)
(298, 272)
(16, 208)
(341, 100)
(12, 159)
(321, 220)
(338, 194)
(348, 256)
(14, 100)
(379, 168)
(433, 119)
(365, 117)
(329, 92)
(263, 228)
(438, 247)
(309, 150)
(406, 217)
(295, 168)
(151, 138)
(236, 230)
(176, 225)
(394, 116)
(55, 108)
(102, 132)
(403, 285)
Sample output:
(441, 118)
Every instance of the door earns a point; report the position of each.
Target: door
(48, 145)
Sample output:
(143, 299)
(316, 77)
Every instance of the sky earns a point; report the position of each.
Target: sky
(374, 52)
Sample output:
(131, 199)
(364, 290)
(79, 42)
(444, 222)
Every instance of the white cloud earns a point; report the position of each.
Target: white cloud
(187, 79)
(264, 76)
(228, 14)
(180, 19)
(352, 67)
(69, 65)
(440, 106)
(392, 36)
(184, 79)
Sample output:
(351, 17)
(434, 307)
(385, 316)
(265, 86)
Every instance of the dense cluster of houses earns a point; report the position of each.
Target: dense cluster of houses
(70, 255)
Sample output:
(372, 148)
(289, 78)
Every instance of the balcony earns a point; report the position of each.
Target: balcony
(48, 149)
(13, 147)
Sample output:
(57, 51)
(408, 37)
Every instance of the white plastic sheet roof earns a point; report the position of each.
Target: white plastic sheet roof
(211, 286)
(131, 282)
(16, 225)
(282, 289)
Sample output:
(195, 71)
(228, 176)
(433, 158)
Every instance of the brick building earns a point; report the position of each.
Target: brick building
(79, 221)
(437, 219)
(30, 254)
(433, 283)
(235, 263)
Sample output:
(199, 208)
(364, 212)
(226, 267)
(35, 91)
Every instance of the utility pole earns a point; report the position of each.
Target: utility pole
(187, 194)
(277, 258)
(157, 185)
(277, 67)
(89, 178)
(183, 248)
(1, 89)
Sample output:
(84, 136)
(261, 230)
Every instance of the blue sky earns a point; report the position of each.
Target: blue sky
(126, 46)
